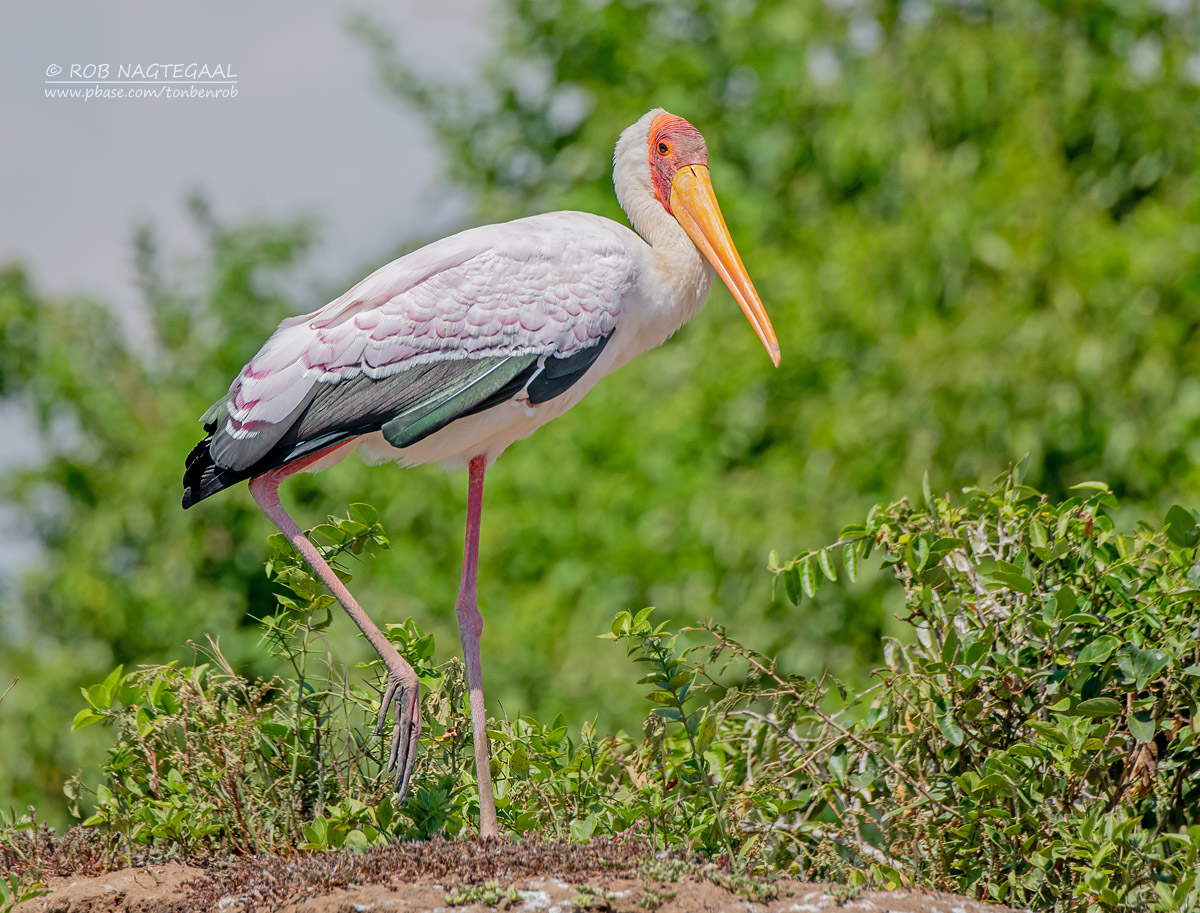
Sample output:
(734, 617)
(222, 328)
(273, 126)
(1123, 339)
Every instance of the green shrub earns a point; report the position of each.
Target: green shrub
(208, 761)
(1035, 741)
(17, 885)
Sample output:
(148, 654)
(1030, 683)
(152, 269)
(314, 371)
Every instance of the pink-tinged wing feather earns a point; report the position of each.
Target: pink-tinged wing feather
(548, 284)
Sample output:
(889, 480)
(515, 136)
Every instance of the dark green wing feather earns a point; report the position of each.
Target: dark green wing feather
(478, 385)
(407, 407)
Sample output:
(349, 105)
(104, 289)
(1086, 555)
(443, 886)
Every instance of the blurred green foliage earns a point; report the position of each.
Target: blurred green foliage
(121, 573)
(976, 227)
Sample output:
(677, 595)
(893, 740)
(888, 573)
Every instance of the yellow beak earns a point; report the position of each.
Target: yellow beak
(694, 205)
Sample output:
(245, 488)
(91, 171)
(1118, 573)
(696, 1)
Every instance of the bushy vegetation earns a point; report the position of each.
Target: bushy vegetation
(1037, 741)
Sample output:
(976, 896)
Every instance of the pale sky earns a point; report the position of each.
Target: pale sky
(311, 131)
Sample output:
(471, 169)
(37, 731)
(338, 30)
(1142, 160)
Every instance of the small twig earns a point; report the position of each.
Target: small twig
(859, 846)
(829, 721)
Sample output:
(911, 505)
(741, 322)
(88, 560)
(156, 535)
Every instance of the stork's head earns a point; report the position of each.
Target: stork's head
(673, 144)
(673, 174)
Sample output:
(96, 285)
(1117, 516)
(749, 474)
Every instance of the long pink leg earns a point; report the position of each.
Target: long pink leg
(470, 626)
(401, 676)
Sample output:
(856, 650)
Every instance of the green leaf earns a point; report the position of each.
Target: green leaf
(85, 717)
(837, 763)
(318, 832)
(1018, 582)
(920, 553)
(1147, 664)
(791, 584)
(945, 544)
(582, 830)
(1020, 470)
(950, 729)
(1182, 529)
(949, 645)
(1021, 750)
(620, 624)
(112, 683)
(1141, 726)
(1037, 534)
(809, 580)
(518, 763)
(706, 731)
(1049, 731)
(1099, 649)
(97, 696)
(424, 647)
(1091, 486)
(850, 561)
(1098, 706)
(826, 565)
(679, 679)
(364, 514)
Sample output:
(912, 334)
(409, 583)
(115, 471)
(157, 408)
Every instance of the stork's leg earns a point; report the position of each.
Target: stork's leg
(402, 685)
(470, 626)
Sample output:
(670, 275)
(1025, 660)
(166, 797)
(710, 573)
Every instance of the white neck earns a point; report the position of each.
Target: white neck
(677, 278)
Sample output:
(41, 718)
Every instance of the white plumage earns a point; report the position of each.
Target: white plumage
(455, 351)
(546, 285)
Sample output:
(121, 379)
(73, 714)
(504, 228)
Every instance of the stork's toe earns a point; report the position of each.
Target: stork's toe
(405, 692)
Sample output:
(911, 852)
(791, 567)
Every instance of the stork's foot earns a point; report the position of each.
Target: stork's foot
(403, 689)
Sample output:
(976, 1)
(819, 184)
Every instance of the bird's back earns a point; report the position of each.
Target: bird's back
(448, 331)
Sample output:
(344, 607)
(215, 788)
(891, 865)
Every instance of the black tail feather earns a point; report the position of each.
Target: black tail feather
(203, 478)
(336, 413)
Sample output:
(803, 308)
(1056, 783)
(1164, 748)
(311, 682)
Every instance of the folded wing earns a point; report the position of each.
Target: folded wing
(448, 331)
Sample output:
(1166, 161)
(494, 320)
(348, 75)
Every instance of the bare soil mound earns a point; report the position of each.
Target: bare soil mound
(470, 876)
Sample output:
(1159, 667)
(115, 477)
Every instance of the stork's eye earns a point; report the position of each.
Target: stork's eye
(664, 149)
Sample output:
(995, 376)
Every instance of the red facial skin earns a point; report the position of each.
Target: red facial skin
(674, 143)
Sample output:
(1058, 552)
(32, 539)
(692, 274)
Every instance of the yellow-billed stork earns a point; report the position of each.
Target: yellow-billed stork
(451, 353)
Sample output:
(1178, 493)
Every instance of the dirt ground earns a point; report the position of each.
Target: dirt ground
(463, 876)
